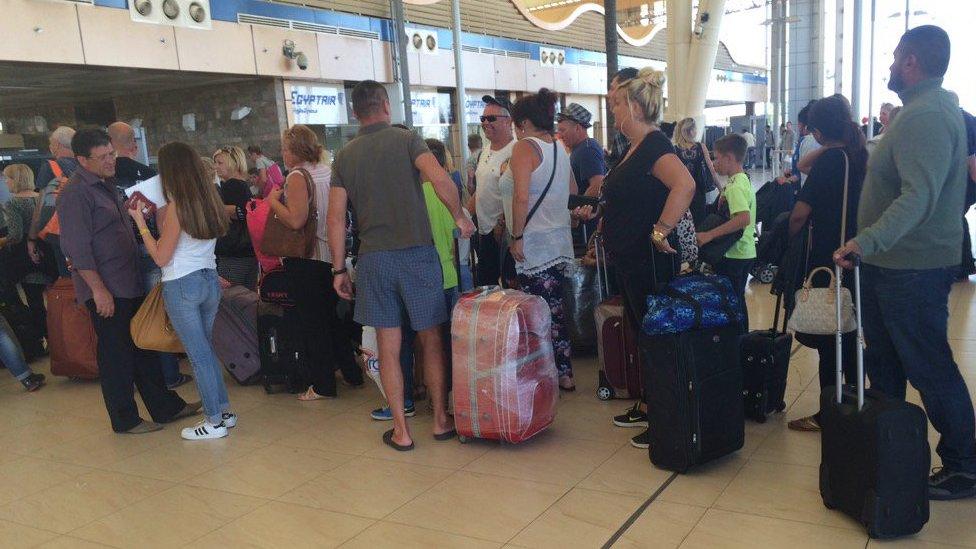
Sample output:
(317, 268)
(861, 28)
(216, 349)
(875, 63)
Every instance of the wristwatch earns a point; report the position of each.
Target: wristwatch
(658, 236)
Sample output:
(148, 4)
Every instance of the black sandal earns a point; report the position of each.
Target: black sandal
(446, 435)
(388, 440)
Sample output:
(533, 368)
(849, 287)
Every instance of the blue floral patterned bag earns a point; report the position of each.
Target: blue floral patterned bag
(692, 302)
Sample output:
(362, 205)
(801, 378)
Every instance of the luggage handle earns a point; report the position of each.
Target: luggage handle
(602, 274)
(839, 336)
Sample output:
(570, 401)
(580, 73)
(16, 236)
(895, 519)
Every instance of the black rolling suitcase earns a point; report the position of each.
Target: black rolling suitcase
(874, 451)
(281, 362)
(765, 363)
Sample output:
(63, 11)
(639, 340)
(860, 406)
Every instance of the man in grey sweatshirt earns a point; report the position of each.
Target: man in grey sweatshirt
(910, 238)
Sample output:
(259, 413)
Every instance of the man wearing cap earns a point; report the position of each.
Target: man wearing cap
(496, 123)
(587, 158)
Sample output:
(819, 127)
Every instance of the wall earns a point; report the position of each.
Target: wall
(162, 116)
(35, 131)
(804, 57)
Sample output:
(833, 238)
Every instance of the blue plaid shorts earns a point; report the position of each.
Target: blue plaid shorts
(396, 284)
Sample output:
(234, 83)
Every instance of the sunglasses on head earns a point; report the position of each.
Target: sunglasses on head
(493, 117)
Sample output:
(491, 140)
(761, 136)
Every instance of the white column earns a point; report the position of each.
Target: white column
(461, 111)
(679, 44)
(704, 47)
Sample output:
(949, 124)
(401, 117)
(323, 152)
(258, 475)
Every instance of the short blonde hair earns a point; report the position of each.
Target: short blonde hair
(21, 176)
(235, 156)
(647, 91)
(302, 142)
(685, 133)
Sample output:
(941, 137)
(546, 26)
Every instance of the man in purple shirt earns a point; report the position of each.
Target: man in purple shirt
(98, 241)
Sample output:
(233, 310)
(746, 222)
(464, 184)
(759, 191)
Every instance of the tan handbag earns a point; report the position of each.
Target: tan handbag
(151, 328)
(280, 240)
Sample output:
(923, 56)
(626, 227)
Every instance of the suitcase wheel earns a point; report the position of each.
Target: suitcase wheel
(767, 274)
(604, 393)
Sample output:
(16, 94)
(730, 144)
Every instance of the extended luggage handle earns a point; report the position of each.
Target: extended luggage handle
(839, 336)
(602, 274)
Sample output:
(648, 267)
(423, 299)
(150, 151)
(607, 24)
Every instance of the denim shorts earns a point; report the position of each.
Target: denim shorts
(396, 284)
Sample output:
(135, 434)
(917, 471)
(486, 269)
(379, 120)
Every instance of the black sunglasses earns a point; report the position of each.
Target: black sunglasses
(493, 117)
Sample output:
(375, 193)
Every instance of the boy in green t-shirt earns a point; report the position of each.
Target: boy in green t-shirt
(730, 151)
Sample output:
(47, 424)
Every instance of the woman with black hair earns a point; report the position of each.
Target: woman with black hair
(820, 210)
(535, 189)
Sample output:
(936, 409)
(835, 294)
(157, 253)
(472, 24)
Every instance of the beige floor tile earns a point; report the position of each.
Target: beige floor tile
(450, 453)
(480, 506)
(367, 487)
(15, 536)
(24, 476)
(951, 522)
(791, 447)
(344, 433)
(38, 435)
(179, 460)
(280, 524)
(172, 518)
(628, 471)
(581, 518)
(591, 420)
(546, 458)
(69, 542)
(270, 471)
(789, 492)
(387, 534)
(909, 543)
(705, 483)
(77, 502)
(725, 530)
(104, 449)
(662, 525)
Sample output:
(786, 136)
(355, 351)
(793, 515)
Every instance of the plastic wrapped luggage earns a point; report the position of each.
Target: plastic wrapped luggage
(617, 352)
(71, 334)
(235, 334)
(875, 454)
(581, 294)
(505, 381)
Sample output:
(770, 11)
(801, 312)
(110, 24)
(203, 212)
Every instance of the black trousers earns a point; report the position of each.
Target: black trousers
(121, 364)
(325, 339)
(489, 261)
(35, 305)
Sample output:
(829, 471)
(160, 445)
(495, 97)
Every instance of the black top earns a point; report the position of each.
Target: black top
(128, 172)
(237, 241)
(633, 200)
(824, 192)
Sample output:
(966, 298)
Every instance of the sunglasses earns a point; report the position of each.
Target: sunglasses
(493, 117)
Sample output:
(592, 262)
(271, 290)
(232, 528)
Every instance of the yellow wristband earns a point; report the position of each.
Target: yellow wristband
(144, 232)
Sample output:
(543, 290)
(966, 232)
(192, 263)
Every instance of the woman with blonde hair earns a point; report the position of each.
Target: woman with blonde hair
(190, 224)
(235, 254)
(324, 338)
(17, 266)
(696, 158)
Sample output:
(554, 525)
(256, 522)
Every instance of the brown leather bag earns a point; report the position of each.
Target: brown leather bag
(151, 328)
(70, 333)
(280, 240)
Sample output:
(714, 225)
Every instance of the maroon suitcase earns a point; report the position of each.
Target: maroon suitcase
(617, 351)
(235, 334)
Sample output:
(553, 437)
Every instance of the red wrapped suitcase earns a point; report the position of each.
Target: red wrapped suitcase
(505, 381)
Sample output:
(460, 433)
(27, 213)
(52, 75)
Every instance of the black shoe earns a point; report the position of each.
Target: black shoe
(633, 418)
(33, 382)
(182, 380)
(642, 441)
(946, 485)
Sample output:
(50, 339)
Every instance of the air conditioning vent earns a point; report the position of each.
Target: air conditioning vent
(550, 57)
(519, 54)
(591, 63)
(262, 20)
(314, 27)
(193, 14)
(421, 41)
(473, 49)
(493, 51)
(372, 35)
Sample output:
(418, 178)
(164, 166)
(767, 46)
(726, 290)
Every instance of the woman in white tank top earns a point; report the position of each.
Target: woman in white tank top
(190, 224)
(541, 240)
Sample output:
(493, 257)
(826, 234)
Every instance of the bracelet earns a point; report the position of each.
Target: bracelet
(517, 238)
(665, 225)
(144, 232)
(336, 272)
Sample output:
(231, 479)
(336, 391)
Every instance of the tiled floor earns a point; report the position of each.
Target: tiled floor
(316, 475)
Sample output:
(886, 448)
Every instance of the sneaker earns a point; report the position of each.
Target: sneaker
(205, 431)
(633, 418)
(642, 440)
(229, 419)
(384, 413)
(945, 484)
(182, 380)
(33, 382)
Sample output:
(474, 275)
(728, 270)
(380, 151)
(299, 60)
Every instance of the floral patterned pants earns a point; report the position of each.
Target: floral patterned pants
(548, 285)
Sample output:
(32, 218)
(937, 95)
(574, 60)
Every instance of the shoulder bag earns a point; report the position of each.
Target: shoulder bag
(280, 240)
(151, 328)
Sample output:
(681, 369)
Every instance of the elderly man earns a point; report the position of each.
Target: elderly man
(399, 269)
(587, 158)
(47, 251)
(97, 237)
(496, 123)
(910, 236)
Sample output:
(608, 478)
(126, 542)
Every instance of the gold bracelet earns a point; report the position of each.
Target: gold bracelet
(144, 232)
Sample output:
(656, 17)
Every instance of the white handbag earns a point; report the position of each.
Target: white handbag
(815, 312)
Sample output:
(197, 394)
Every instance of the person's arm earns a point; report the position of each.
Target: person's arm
(161, 250)
(295, 213)
(740, 215)
(592, 170)
(524, 161)
(445, 189)
(971, 162)
(923, 165)
(711, 167)
(335, 220)
(807, 160)
(15, 226)
(75, 215)
(799, 216)
(681, 189)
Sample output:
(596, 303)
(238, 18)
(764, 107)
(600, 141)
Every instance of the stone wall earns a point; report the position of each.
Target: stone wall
(162, 116)
(36, 123)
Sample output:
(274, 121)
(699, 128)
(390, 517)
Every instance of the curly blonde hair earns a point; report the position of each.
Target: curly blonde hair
(647, 91)
(685, 133)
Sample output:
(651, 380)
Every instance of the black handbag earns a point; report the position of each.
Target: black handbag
(714, 252)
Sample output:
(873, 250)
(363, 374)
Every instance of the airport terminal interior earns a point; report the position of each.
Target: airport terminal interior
(244, 81)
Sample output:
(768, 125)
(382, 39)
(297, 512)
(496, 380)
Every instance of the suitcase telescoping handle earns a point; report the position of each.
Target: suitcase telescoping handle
(602, 274)
(839, 336)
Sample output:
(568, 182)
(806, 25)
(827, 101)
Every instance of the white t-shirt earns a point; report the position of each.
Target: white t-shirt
(488, 198)
(191, 255)
(809, 143)
(750, 139)
(322, 176)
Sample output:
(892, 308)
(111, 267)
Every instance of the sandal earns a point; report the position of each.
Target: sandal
(807, 424)
(567, 384)
(388, 440)
(309, 395)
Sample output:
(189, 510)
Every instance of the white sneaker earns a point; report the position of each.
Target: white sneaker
(229, 419)
(204, 431)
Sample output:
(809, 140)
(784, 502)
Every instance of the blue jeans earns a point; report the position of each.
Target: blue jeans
(10, 353)
(906, 317)
(151, 276)
(191, 302)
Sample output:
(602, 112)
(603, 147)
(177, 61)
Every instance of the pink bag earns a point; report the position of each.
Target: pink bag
(275, 179)
(258, 211)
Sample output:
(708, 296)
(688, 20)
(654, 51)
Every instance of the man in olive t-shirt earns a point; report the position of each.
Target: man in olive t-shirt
(379, 172)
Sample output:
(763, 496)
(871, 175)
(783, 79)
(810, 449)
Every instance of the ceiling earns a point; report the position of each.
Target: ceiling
(33, 85)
